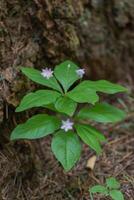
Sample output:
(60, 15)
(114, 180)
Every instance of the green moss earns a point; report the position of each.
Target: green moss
(71, 34)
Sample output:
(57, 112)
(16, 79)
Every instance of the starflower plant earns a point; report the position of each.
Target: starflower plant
(69, 124)
(111, 188)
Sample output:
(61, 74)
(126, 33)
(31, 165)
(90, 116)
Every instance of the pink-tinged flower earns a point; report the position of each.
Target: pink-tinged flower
(80, 72)
(47, 73)
(67, 125)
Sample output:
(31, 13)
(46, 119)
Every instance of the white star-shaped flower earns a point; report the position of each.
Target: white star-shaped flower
(47, 73)
(80, 72)
(67, 125)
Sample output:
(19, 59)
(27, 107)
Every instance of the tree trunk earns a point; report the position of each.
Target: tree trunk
(96, 34)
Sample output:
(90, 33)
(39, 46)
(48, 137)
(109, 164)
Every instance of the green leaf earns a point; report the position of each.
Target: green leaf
(38, 98)
(35, 75)
(83, 94)
(99, 136)
(50, 107)
(116, 195)
(102, 112)
(65, 105)
(36, 127)
(106, 87)
(66, 148)
(88, 137)
(99, 189)
(112, 183)
(66, 74)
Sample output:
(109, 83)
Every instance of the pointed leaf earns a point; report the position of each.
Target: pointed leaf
(102, 112)
(99, 189)
(88, 137)
(99, 136)
(65, 105)
(66, 74)
(36, 127)
(112, 183)
(37, 99)
(35, 75)
(106, 87)
(83, 94)
(116, 195)
(66, 148)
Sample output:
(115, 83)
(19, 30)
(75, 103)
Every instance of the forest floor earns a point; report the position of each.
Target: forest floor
(29, 171)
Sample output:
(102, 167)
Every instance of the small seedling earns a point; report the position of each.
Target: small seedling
(69, 124)
(111, 188)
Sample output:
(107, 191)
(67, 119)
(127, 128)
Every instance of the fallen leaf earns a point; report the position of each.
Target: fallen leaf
(91, 162)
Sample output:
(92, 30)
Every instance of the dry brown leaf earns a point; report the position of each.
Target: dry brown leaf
(91, 162)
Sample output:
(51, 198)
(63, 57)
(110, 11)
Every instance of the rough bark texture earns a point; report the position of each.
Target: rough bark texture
(97, 34)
